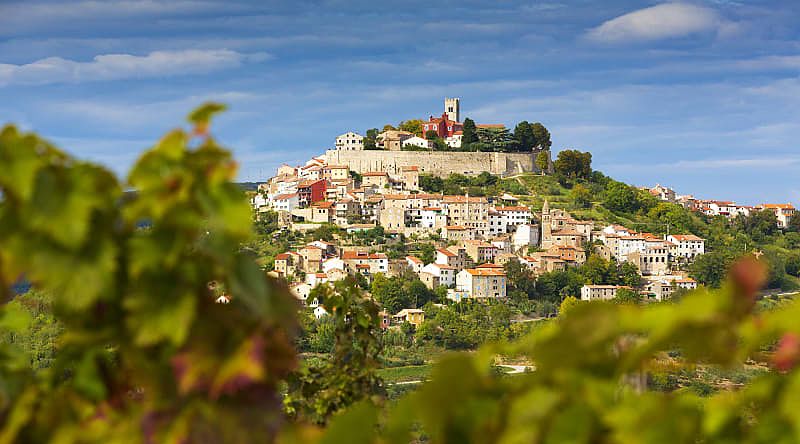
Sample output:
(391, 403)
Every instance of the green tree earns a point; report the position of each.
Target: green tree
(627, 296)
(794, 224)
(621, 197)
(629, 275)
(430, 183)
(523, 134)
(581, 196)
(320, 389)
(412, 126)
(543, 161)
(573, 164)
(496, 139)
(567, 304)
(710, 268)
(541, 135)
(427, 253)
(370, 139)
(469, 132)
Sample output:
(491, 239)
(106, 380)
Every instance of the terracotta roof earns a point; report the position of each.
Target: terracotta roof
(431, 209)
(410, 168)
(375, 173)
(455, 228)
(486, 271)
(282, 256)
(337, 167)
(490, 125)
(446, 252)
(779, 206)
(686, 237)
(414, 259)
(362, 255)
(323, 205)
(284, 196)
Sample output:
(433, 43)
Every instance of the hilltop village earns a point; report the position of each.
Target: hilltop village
(377, 190)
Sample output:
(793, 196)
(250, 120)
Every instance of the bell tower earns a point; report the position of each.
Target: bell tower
(547, 228)
(452, 107)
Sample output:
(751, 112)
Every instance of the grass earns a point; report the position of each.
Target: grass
(408, 373)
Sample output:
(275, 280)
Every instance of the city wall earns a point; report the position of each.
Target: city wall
(439, 163)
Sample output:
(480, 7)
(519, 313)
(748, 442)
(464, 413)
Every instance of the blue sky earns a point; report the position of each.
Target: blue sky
(703, 96)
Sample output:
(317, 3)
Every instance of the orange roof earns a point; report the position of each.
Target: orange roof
(362, 255)
(375, 173)
(490, 266)
(324, 205)
(687, 237)
(284, 196)
(455, 228)
(486, 272)
(337, 167)
(414, 259)
(779, 206)
(490, 125)
(410, 168)
(282, 256)
(446, 252)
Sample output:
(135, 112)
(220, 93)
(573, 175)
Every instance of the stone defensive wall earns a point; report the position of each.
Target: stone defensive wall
(439, 163)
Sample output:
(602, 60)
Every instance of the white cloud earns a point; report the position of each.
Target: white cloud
(123, 66)
(667, 20)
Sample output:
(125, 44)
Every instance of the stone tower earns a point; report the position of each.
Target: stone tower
(452, 107)
(547, 226)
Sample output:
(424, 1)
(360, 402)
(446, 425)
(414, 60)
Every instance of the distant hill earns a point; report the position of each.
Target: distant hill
(248, 186)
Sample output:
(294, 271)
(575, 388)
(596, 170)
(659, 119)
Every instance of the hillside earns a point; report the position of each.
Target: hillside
(606, 201)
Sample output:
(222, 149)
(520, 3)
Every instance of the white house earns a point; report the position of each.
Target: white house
(285, 202)
(415, 263)
(783, 212)
(350, 141)
(320, 312)
(432, 217)
(598, 292)
(445, 273)
(416, 141)
(333, 263)
(525, 236)
(618, 230)
(300, 291)
(259, 201)
(515, 216)
(687, 246)
(454, 141)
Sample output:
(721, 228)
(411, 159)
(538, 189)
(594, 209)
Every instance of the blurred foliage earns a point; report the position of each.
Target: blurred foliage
(146, 354)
